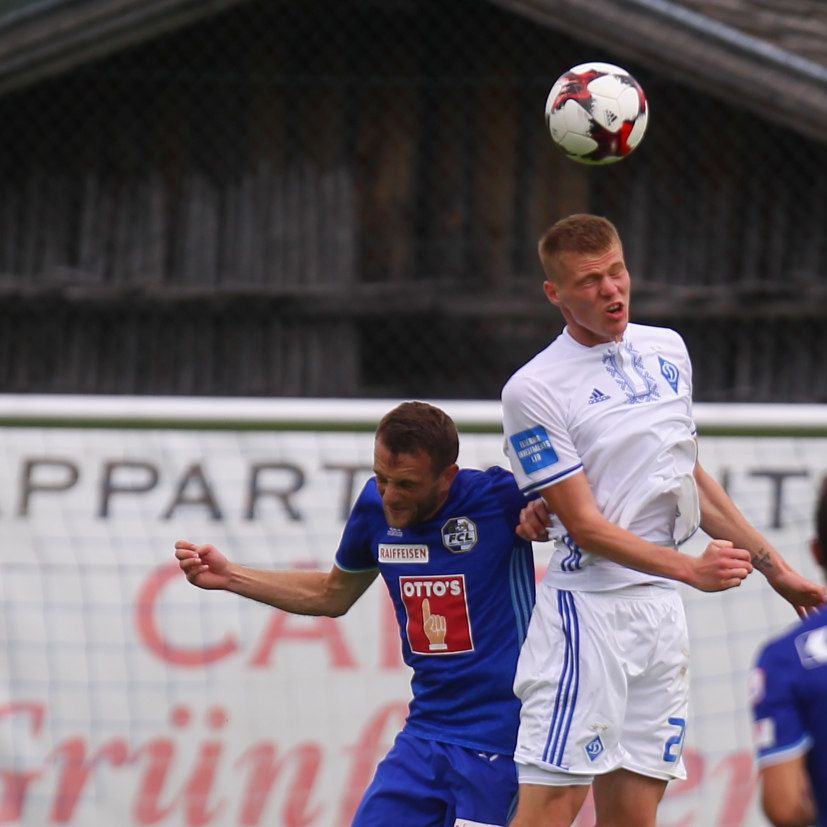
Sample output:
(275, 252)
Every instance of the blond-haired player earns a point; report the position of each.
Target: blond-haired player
(600, 423)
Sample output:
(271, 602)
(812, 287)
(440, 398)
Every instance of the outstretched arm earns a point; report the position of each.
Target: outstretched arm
(720, 517)
(300, 592)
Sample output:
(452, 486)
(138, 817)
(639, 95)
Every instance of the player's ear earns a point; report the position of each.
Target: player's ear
(550, 289)
(818, 553)
(449, 474)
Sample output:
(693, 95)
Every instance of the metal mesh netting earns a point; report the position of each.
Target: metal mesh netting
(343, 199)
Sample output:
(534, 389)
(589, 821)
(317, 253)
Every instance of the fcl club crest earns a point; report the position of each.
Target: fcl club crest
(459, 535)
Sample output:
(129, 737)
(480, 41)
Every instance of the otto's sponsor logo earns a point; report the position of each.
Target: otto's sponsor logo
(459, 534)
(437, 609)
(432, 586)
(399, 553)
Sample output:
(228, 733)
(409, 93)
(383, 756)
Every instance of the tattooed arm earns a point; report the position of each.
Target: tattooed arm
(721, 519)
(762, 560)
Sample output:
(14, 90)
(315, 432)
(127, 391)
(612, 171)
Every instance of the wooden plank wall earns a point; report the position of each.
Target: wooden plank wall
(263, 205)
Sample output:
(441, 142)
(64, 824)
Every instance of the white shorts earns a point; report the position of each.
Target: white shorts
(604, 682)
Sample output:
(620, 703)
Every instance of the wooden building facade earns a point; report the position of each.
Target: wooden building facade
(331, 199)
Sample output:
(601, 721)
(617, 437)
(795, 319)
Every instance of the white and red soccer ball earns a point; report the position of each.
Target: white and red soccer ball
(596, 113)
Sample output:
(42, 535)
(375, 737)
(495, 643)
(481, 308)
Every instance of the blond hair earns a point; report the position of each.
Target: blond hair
(579, 233)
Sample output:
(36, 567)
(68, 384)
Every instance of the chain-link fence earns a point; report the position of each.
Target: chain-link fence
(343, 199)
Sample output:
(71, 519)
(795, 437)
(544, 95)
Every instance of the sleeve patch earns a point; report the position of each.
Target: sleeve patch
(812, 648)
(534, 449)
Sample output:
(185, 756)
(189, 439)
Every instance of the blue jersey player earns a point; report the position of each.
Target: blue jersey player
(789, 695)
(462, 583)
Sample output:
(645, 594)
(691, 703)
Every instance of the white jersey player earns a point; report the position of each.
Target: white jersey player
(600, 423)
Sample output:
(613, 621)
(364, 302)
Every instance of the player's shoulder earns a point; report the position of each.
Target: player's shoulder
(369, 501)
(493, 490)
(777, 649)
(537, 371)
(655, 334)
(476, 480)
(804, 645)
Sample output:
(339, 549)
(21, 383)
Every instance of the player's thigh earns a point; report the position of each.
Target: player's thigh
(406, 790)
(658, 699)
(571, 680)
(623, 798)
(482, 786)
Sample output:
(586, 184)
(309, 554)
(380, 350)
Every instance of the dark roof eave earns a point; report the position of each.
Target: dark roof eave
(47, 37)
(697, 51)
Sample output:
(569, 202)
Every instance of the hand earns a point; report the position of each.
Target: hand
(205, 566)
(535, 521)
(435, 627)
(720, 567)
(805, 596)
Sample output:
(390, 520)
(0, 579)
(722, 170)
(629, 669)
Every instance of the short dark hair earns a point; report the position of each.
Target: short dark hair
(417, 427)
(821, 515)
(578, 233)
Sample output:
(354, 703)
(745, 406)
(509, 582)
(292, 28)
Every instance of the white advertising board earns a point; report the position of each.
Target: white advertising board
(130, 697)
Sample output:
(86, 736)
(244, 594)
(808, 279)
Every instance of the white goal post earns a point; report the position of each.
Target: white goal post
(131, 698)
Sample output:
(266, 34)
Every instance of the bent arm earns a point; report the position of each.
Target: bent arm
(300, 592)
(721, 567)
(721, 518)
(785, 794)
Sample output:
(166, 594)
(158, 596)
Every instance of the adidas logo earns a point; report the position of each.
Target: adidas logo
(597, 396)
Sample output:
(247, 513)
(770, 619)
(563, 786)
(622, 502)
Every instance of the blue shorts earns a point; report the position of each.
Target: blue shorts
(422, 783)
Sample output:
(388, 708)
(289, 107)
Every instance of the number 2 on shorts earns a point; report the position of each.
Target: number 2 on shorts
(673, 746)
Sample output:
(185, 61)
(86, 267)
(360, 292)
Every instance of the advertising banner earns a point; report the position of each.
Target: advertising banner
(130, 697)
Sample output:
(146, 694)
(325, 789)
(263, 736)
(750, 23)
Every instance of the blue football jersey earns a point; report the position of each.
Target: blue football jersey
(790, 702)
(462, 585)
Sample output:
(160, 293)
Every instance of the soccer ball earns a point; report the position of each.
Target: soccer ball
(596, 113)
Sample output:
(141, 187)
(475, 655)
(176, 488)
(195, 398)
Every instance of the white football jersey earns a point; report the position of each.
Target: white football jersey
(622, 414)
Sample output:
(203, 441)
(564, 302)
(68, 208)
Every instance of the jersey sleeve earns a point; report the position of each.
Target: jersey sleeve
(538, 445)
(779, 731)
(354, 552)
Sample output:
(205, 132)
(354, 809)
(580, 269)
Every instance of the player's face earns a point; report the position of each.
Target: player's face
(411, 492)
(592, 292)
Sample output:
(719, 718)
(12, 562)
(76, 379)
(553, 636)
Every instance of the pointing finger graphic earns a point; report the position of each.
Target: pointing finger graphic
(434, 626)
